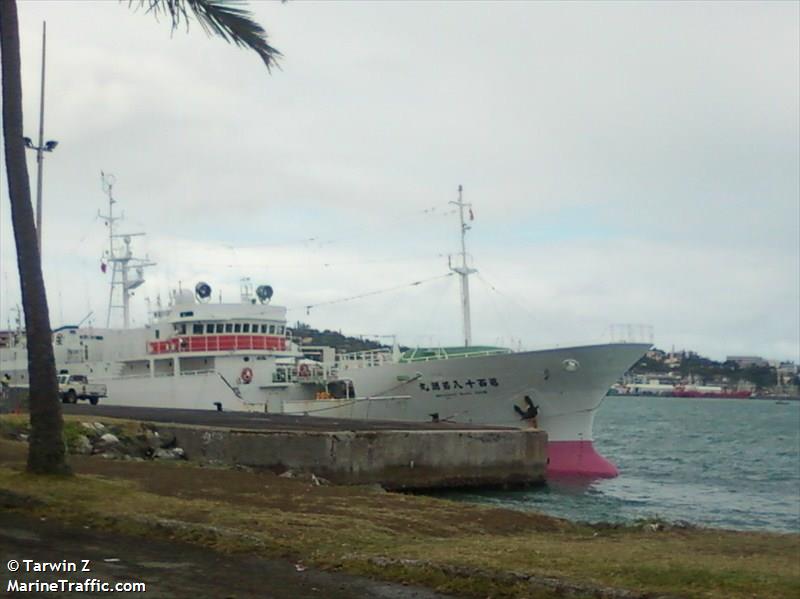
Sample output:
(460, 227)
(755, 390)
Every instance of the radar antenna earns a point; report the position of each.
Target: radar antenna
(120, 257)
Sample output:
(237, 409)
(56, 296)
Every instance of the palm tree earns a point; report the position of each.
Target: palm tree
(228, 20)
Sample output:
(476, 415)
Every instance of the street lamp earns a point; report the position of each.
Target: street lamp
(40, 149)
(48, 146)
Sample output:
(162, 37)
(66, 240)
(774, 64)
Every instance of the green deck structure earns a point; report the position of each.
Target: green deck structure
(420, 354)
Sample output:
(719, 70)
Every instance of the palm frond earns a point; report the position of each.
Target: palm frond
(227, 19)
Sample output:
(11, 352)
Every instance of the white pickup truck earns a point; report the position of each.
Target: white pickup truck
(72, 387)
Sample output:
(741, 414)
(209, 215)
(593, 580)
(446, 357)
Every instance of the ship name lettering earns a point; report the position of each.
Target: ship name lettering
(457, 384)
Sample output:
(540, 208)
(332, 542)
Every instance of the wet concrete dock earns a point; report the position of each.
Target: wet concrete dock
(396, 455)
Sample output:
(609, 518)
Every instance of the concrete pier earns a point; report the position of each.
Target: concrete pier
(396, 459)
(396, 455)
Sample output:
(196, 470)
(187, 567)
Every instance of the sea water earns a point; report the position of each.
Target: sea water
(725, 463)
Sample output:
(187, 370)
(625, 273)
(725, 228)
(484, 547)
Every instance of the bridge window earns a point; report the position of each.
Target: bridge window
(272, 329)
(263, 328)
(181, 328)
(246, 327)
(197, 329)
(209, 328)
(280, 330)
(158, 334)
(220, 326)
(237, 328)
(229, 328)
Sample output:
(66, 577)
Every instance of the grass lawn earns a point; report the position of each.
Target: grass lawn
(452, 547)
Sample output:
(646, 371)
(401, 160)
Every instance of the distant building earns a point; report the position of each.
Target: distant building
(786, 373)
(747, 361)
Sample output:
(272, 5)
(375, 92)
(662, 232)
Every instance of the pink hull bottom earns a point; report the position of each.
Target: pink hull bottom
(577, 458)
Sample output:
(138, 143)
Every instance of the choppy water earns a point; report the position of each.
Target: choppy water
(715, 462)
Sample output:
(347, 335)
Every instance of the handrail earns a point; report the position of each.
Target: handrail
(445, 356)
(147, 375)
(377, 357)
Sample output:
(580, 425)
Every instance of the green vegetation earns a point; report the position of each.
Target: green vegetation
(334, 339)
(453, 547)
(17, 426)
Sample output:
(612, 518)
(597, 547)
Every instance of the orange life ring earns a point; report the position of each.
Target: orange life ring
(304, 370)
(247, 375)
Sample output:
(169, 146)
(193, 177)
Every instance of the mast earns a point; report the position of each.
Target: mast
(463, 270)
(121, 259)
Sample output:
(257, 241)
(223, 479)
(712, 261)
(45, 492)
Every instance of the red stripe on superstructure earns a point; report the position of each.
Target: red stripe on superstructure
(204, 343)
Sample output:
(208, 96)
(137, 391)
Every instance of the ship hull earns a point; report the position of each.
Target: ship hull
(567, 384)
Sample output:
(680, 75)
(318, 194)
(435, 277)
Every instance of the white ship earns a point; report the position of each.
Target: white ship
(241, 356)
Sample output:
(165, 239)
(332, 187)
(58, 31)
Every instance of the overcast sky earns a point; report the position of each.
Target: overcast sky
(626, 163)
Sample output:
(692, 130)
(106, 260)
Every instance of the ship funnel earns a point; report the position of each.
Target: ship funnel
(203, 291)
(264, 293)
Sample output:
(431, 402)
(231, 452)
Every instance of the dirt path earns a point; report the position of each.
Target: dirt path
(171, 570)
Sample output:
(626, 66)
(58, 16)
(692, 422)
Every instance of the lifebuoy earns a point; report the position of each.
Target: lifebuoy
(304, 370)
(247, 375)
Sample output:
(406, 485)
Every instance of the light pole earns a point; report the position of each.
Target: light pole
(40, 149)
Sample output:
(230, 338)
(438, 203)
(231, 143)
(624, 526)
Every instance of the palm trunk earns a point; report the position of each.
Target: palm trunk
(47, 453)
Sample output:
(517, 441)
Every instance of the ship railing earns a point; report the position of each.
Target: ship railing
(442, 354)
(324, 405)
(631, 333)
(138, 375)
(146, 375)
(305, 373)
(226, 342)
(197, 372)
(365, 359)
(311, 374)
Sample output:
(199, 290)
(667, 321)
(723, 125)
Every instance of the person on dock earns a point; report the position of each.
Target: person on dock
(5, 388)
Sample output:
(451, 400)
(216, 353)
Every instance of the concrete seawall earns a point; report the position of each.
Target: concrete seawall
(395, 459)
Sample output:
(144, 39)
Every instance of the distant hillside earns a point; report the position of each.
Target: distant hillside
(688, 364)
(335, 339)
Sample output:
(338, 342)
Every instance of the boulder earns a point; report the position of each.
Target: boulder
(175, 453)
(108, 439)
(82, 445)
(107, 443)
